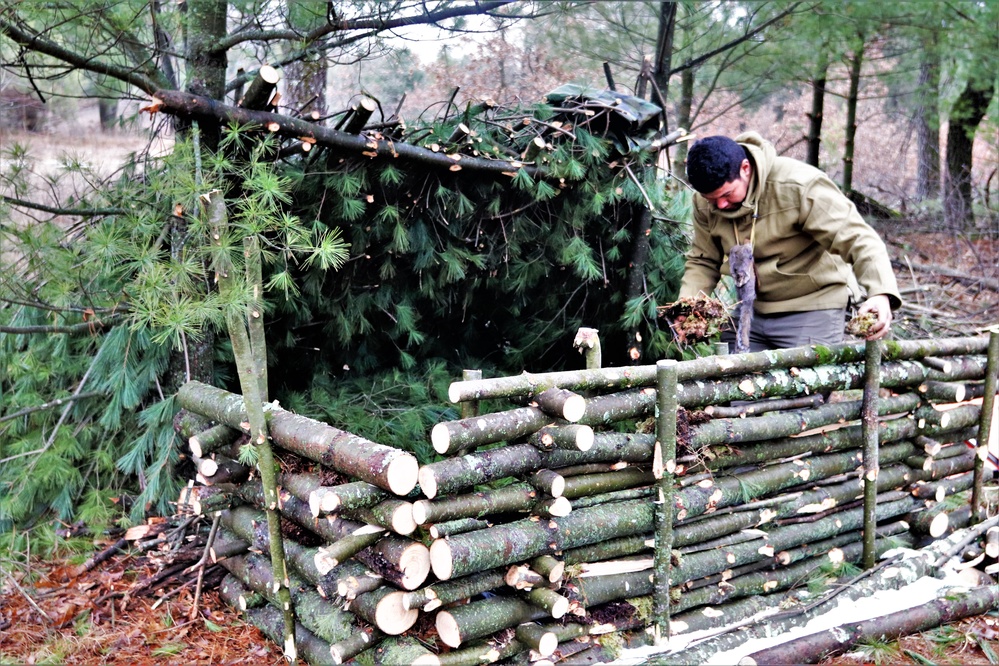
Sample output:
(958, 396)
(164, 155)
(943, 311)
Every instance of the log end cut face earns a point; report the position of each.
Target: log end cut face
(392, 617)
(441, 561)
(402, 474)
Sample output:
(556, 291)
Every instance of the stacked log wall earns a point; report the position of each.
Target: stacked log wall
(536, 526)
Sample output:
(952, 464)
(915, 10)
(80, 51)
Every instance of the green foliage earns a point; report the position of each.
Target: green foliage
(877, 650)
(478, 269)
(392, 407)
(446, 270)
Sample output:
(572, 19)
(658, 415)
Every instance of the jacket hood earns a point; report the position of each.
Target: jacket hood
(762, 154)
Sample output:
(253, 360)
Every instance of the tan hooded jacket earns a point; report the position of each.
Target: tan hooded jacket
(807, 236)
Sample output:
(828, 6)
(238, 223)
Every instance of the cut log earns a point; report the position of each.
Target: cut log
(938, 490)
(216, 438)
(593, 484)
(943, 391)
(572, 437)
(550, 567)
(562, 403)
(358, 642)
(384, 609)
(261, 89)
(450, 437)
(538, 638)
(816, 647)
(764, 406)
(548, 482)
(392, 514)
(528, 384)
(517, 497)
(383, 466)
(485, 617)
(548, 600)
(347, 497)
(444, 593)
(441, 530)
(522, 540)
(587, 592)
(360, 114)
(233, 592)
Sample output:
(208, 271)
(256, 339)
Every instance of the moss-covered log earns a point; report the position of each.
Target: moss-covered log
(519, 497)
(316, 614)
(270, 621)
(484, 618)
(705, 563)
(448, 592)
(383, 466)
(522, 540)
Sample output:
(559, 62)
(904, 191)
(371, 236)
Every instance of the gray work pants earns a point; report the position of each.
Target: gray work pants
(792, 329)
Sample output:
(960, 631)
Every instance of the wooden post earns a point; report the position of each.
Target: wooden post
(663, 466)
(720, 348)
(869, 428)
(985, 425)
(470, 408)
(587, 342)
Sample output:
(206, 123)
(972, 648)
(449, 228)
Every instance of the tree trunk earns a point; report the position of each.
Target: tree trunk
(683, 119)
(849, 152)
(818, 105)
(814, 648)
(968, 112)
(928, 119)
(204, 26)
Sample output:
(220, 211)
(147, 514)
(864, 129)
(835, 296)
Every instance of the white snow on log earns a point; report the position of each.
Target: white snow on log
(919, 592)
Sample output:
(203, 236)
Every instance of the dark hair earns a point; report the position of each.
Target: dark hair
(712, 162)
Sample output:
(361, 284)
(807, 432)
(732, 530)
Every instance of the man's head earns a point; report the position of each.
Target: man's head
(718, 168)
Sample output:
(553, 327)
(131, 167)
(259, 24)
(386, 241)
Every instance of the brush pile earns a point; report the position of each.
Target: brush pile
(533, 535)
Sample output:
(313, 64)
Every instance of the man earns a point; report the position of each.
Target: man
(806, 236)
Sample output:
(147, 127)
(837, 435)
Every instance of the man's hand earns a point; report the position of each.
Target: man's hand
(880, 306)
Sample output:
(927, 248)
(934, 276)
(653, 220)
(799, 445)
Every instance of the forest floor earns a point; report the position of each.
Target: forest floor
(110, 615)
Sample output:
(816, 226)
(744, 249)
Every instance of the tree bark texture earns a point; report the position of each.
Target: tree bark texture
(816, 647)
(709, 367)
(383, 466)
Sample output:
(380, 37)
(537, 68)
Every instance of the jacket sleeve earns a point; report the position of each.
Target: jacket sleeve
(703, 264)
(834, 222)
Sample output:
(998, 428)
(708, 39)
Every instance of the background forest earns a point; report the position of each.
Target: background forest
(382, 278)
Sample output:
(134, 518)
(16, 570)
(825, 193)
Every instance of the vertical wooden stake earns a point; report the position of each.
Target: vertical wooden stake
(869, 428)
(587, 343)
(720, 348)
(663, 467)
(470, 408)
(985, 425)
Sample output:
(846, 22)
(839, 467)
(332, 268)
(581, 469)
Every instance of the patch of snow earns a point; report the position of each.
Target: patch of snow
(844, 611)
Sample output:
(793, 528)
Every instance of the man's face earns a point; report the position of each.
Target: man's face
(733, 193)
